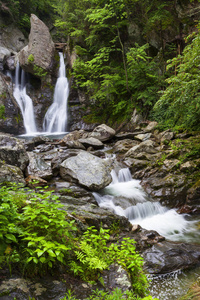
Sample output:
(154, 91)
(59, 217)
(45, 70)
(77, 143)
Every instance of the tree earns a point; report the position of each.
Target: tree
(179, 104)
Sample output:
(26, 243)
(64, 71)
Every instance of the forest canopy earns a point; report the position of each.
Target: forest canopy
(130, 54)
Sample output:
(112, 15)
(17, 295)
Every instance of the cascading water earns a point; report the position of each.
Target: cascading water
(125, 197)
(55, 119)
(24, 101)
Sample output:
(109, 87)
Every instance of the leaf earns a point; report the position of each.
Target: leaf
(11, 237)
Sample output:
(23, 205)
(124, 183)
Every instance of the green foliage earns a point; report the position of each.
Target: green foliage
(31, 58)
(36, 241)
(2, 111)
(180, 103)
(116, 294)
(39, 72)
(93, 255)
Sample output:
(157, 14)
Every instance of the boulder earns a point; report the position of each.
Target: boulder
(150, 127)
(166, 135)
(11, 174)
(193, 196)
(73, 136)
(12, 151)
(143, 136)
(103, 133)
(92, 142)
(38, 167)
(88, 170)
(123, 146)
(40, 50)
(167, 257)
(146, 146)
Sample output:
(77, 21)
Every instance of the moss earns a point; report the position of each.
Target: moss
(2, 112)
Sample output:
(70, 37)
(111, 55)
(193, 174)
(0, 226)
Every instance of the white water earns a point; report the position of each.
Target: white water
(24, 102)
(149, 215)
(55, 120)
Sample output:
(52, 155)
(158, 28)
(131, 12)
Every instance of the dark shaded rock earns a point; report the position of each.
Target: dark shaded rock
(11, 174)
(193, 196)
(170, 189)
(12, 151)
(167, 257)
(10, 120)
(86, 169)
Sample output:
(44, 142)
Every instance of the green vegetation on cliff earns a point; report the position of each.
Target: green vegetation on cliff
(122, 48)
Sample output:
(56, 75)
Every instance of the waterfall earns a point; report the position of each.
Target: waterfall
(55, 119)
(140, 210)
(24, 101)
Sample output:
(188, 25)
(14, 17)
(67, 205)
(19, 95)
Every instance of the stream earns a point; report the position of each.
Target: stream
(125, 197)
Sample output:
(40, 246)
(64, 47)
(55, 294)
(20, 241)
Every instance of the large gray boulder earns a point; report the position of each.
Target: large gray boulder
(12, 152)
(88, 170)
(40, 50)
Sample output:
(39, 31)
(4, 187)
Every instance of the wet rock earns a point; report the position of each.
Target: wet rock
(103, 133)
(10, 121)
(170, 189)
(12, 151)
(193, 196)
(167, 257)
(92, 142)
(40, 49)
(38, 167)
(11, 174)
(86, 169)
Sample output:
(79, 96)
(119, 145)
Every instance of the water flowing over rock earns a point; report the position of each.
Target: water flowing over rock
(89, 170)
(12, 151)
(55, 119)
(9, 120)
(40, 48)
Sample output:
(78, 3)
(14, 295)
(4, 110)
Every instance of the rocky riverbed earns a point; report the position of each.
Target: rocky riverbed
(166, 163)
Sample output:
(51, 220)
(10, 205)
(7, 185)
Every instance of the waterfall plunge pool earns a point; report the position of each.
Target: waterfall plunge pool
(125, 197)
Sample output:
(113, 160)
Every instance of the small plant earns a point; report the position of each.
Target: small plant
(31, 58)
